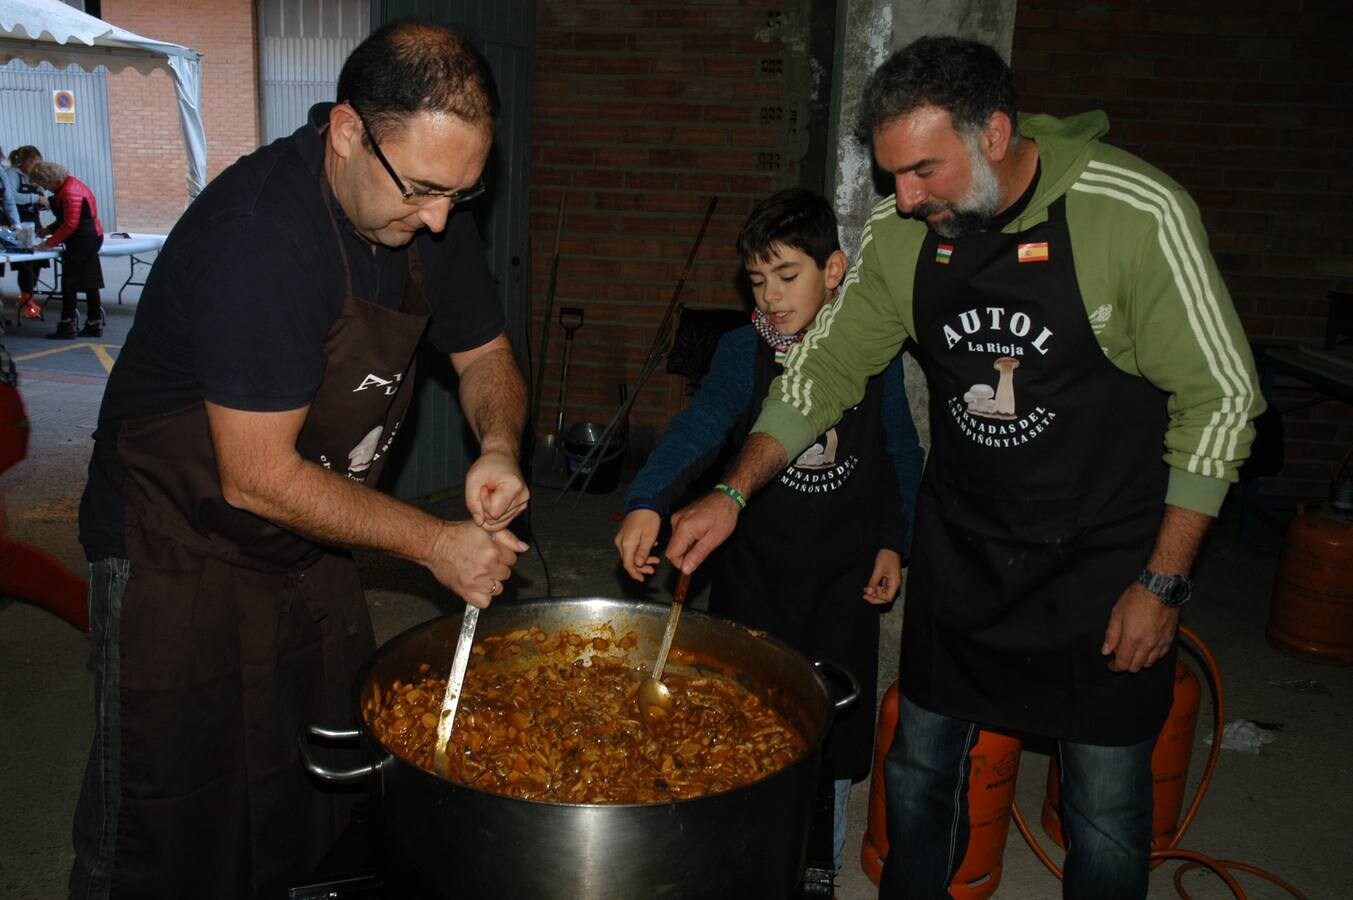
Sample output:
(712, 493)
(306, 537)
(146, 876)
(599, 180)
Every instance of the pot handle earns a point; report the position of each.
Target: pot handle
(843, 674)
(324, 773)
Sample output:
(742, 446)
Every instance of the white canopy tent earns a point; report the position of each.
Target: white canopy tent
(50, 31)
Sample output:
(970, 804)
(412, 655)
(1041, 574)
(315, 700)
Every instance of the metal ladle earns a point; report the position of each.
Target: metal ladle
(655, 698)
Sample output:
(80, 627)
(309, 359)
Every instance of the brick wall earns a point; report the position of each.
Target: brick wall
(642, 112)
(1247, 104)
(148, 160)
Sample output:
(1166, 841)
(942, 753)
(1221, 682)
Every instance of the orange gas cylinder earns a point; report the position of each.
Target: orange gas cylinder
(993, 764)
(1311, 614)
(1169, 766)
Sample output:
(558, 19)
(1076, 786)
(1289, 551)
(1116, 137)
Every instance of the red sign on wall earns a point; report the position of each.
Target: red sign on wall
(63, 107)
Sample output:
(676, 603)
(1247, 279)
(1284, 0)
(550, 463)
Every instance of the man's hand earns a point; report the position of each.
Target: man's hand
(495, 491)
(261, 472)
(635, 539)
(1141, 630)
(493, 400)
(473, 562)
(886, 580)
(699, 529)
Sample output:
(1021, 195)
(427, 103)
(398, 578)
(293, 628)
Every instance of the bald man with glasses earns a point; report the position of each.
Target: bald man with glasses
(242, 433)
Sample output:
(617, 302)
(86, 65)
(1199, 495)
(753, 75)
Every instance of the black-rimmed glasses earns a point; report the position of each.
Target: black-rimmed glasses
(417, 198)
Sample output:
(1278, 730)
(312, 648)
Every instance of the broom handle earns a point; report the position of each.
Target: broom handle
(653, 352)
(658, 341)
(539, 385)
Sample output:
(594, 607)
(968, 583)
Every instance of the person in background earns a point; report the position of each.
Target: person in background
(9, 208)
(10, 214)
(818, 553)
(1091, 391)
(76, 227)
(29, 201)
(243, 431)
(26, 572)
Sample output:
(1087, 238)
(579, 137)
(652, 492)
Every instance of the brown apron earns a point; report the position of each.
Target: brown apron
(236, 633)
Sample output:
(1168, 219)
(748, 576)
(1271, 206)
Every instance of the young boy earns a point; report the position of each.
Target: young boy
(820, 549)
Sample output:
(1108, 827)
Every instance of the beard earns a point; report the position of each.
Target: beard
(971, 212)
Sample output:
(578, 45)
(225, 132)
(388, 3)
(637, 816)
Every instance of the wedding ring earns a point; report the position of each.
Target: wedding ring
(497, 586)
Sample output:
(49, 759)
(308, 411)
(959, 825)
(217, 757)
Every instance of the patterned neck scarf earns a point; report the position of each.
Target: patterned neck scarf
(770, 334)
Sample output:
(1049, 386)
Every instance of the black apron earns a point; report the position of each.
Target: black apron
(237, 633)
(798, 562)
(80, 266)
(1041, 499)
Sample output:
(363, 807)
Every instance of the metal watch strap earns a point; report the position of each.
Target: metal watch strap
(1173, 590)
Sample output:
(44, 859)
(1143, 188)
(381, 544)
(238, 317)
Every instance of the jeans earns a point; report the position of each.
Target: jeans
(95, 830)
(841, 801)
(1106, 801)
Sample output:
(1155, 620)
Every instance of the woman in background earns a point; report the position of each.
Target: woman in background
(7, 191)
(28, 202)
(77, 226)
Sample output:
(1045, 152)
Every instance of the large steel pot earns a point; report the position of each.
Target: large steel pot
(446, 840)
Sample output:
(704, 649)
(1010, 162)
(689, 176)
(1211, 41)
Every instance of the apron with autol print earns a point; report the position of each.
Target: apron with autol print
(803, 551)
(1041, 500)
(245, 632)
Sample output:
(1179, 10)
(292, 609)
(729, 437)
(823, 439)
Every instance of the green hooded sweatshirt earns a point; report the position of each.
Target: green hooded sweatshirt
(1152, 293)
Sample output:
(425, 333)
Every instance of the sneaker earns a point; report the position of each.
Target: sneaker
(65, 331)
(92, 329)
(28, 307)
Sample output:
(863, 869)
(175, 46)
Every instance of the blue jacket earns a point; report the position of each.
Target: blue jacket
(698, 433)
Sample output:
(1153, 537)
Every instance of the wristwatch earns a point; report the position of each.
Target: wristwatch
(1173, 590)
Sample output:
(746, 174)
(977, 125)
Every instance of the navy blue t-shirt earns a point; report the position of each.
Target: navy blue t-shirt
(247, 285)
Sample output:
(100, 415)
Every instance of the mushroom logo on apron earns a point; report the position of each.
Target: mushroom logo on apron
(990, 414)
(369, 448)
(819, 469)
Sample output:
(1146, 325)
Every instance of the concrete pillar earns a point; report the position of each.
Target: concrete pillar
(868, 32)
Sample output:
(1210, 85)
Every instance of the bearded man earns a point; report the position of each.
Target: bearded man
(1091, 394)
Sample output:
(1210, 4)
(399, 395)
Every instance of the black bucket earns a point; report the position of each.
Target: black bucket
(579, 441)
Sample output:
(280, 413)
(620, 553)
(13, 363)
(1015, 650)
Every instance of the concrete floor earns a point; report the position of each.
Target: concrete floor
(1288, 809)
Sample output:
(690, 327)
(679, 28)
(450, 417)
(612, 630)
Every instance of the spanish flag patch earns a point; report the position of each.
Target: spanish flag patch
(943, 252)
(1033, 252)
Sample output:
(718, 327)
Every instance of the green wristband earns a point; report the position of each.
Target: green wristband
(733, 493)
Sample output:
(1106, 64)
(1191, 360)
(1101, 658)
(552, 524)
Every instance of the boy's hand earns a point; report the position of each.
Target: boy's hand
(887, 578)
(635, 539)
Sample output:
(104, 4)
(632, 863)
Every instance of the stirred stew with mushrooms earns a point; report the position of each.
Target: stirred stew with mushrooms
(554, 718)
